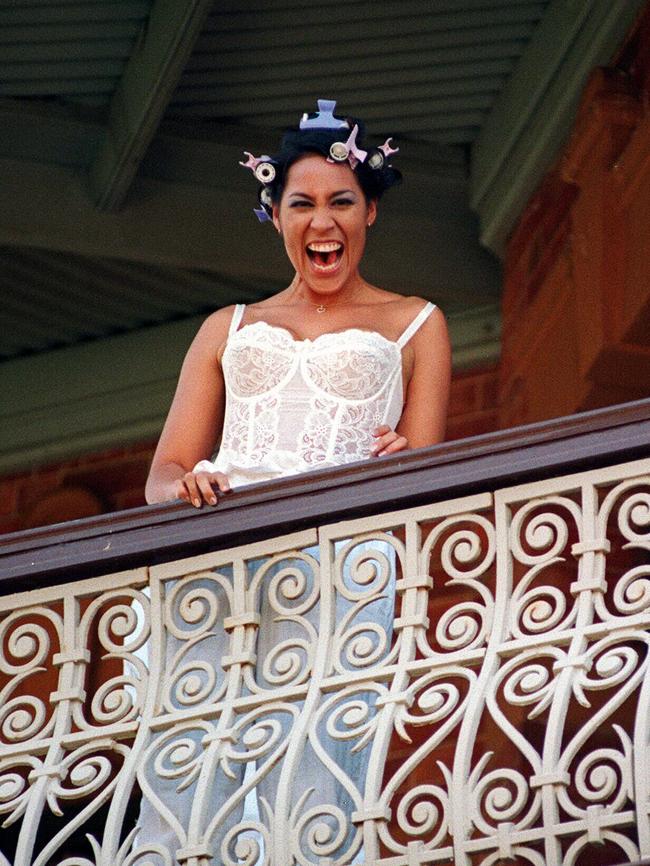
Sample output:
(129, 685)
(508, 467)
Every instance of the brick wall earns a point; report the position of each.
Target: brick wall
(88, 485)
(473, 403)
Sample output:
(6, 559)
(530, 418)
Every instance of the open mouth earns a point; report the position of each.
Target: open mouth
(326, 255)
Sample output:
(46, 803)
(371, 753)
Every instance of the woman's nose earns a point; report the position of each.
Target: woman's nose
(322, 218)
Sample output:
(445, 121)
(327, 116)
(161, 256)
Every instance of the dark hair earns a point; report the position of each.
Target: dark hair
(297, 143)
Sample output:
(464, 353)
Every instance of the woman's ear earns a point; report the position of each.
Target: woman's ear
(372, 212)
(276, 218)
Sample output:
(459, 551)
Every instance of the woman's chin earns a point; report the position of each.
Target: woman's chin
(333, 279)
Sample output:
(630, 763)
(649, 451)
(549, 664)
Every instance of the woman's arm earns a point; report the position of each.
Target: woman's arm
(194, 421)
(424, 418)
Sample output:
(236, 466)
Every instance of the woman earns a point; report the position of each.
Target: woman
(322, 209)
(330, 370)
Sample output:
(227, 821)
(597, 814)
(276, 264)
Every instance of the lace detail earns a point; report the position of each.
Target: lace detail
(354, 437)
(236, 425)
(253, 368)
(294, 405)
(265, 428)
(356, 373)
(318, 427)
(250, 430)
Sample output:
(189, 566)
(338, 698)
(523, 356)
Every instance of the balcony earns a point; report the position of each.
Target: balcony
(183, 662)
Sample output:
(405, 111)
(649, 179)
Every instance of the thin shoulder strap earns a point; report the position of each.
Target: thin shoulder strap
(421, 317)
(236, 318)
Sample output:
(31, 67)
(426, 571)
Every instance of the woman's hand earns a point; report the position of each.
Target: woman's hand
(199, 487)
(387, 441)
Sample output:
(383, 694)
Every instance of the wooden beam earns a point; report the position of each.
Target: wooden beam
(534, 112)
(142, 95)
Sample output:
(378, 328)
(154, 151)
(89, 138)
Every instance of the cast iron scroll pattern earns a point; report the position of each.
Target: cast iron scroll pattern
(71, 694)
(499, 712)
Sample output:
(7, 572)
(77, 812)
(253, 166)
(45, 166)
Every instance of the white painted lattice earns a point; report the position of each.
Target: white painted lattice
(498, 713)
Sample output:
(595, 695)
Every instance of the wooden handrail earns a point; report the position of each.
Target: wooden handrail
(157, 533)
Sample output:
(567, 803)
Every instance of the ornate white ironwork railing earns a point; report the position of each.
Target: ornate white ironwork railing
(462, 682)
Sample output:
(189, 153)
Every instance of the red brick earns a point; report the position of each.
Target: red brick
(463, 395)
(32, 487)
(50, 476)
(116, 476)
(491, 390)
(130, 499)
(110, 478)
(10, 524)
(8, 496)
(472, 424)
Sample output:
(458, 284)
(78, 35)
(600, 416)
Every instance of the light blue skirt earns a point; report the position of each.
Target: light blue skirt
(225, 784)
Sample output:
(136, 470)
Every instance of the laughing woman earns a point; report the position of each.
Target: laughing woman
(322, 206)
(328, 371)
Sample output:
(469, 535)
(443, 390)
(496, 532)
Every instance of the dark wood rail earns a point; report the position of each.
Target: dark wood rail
(156, 533)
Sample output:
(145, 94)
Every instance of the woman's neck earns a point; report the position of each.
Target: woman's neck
(352, 292)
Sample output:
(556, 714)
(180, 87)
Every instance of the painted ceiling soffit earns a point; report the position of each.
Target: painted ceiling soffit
(517, 143)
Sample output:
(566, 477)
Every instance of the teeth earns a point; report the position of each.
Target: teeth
(324, 247)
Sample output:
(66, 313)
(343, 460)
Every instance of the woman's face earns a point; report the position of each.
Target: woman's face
(323, 216)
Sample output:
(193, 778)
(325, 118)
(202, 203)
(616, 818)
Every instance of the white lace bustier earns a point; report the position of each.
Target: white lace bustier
(295, 405)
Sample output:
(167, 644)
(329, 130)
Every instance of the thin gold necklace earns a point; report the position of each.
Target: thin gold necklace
(321, 308)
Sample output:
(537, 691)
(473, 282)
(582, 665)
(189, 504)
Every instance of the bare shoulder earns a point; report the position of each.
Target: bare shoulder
(430, 340)
(403, 309)
(213, 333)
(278, 303)
(219, 320)
(415, 303)
(434, 325)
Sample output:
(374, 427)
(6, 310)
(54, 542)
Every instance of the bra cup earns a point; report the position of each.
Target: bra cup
(353, 374)
(352, 365)
(253, 370)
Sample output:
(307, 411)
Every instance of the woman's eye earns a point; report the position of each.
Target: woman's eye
(298, 203)
(343, 201)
